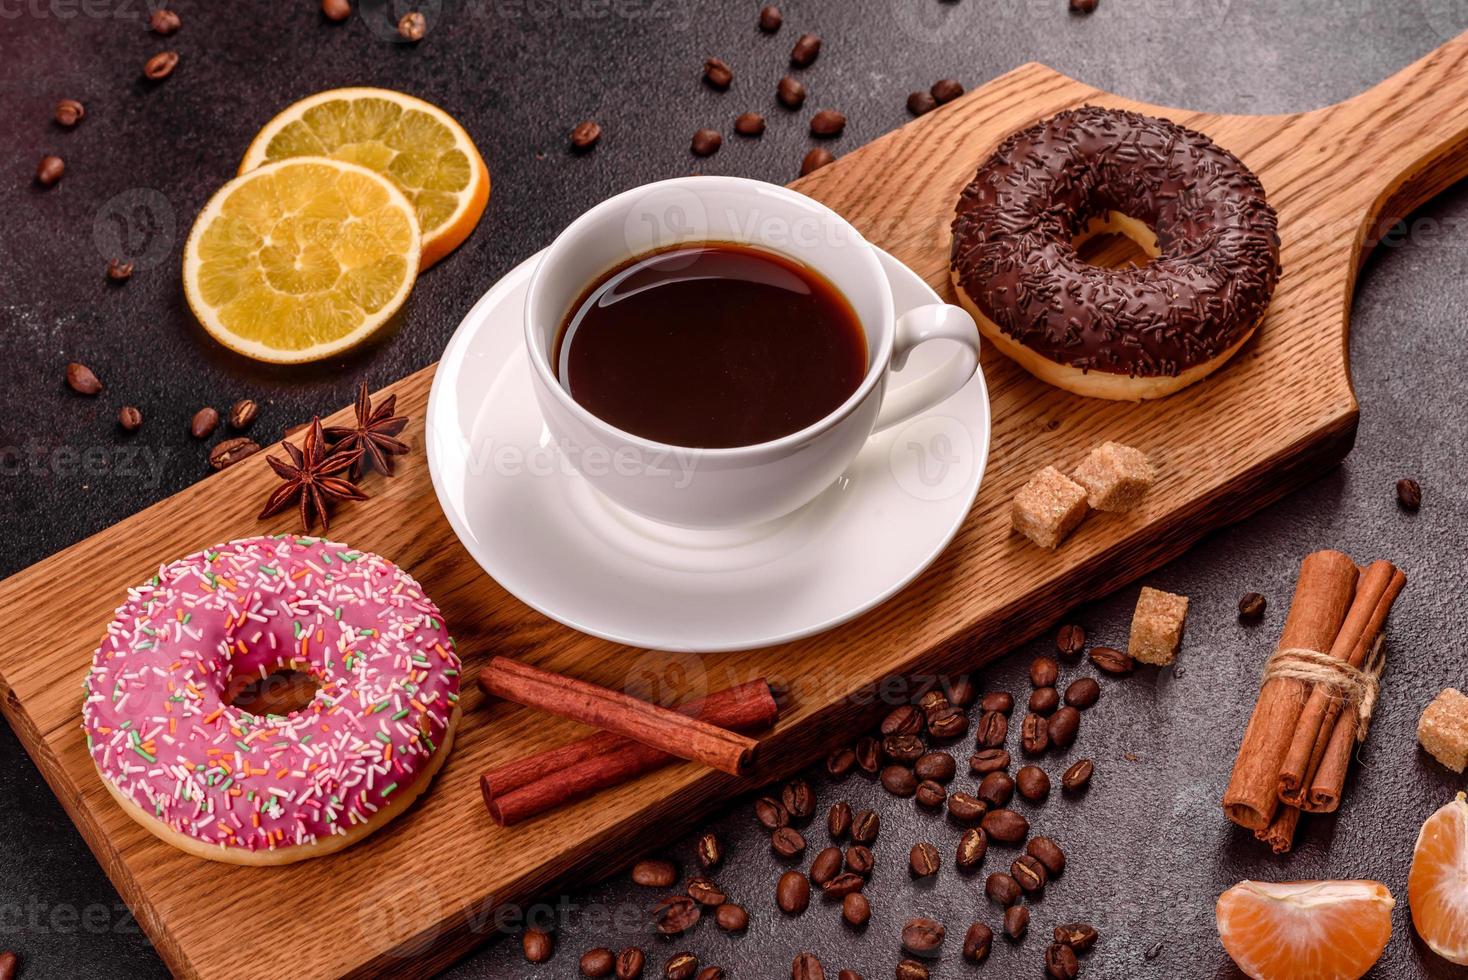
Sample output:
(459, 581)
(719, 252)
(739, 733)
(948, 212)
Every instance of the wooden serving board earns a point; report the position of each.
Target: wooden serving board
(416, 896)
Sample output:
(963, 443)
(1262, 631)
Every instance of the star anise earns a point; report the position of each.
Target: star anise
(308, 478)
(373, 434)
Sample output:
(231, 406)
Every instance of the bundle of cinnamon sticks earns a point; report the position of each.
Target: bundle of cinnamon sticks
(1316, 697)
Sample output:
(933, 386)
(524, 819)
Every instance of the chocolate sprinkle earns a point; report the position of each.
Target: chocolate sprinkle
(1016, 223)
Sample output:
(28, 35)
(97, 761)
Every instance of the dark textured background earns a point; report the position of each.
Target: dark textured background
(1149, 849)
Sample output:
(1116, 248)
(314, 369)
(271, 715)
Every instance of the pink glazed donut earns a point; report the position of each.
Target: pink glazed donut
(225, 784)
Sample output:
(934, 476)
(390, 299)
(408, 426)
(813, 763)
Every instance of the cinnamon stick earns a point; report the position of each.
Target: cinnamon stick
(1330, 778)
(1378, 589)
(622, 714)
(745, 707)
(1323, 593)
(1280, 834)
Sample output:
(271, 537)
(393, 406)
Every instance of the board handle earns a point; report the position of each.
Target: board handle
(1407, 137)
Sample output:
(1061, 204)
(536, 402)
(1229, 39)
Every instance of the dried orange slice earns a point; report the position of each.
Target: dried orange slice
(1305, 930)
(1437, 887)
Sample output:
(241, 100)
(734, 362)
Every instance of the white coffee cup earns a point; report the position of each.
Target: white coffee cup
(720, 488)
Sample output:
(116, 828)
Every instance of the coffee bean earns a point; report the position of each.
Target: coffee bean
(903, 748)
(948, 722)
(1016, 921)
(204, 422)
(849, 975)
(903, 720)
(1251, 607)
(231, 451)
(1079, 936)
(1033, 784)
(1034, 734)
(770, 19)
(1078, 776)
(651, 873)
(731, 917)
(160, 66)
(1044, 672)
(827, 123)
(923, 859)
(676, 914)
(961, 691)
(937, 766)
(537, 945)
(1002, 889)
(1083, 6)
(856, 909)
(899, 781)
(966, 808)
(1112, 661)
(1044, 700)
(1409, 494)
(1083, 692)
(840, 762)
(1060, 962)
(921, 103)
(717, 73)
(993, 729)
(932, 699)
(1006, 826)
(681, 966)
(80, 379)
(129, 418)
(1000, 701)
(807, 47)
(972, 847)
(787, 842)
(69, 112)
(1048, 853)
(711, 973)
(983, 762)
(864, 827)
(119, 271)
(749, 124)
(844, 884)
(1063, 726)
(868, 754)
(806, 967)
(923, 937)
(799, 799)
(770, 813)
(860, 860)
(815, 160)
(598, 962)
(49, 170)
(930, 793)
(412, 27)
(838, 821)
(826, 865)
(164, 21)
(1028, 872)
(1070, 641)
(790, 92)
(996, 789)
(710, 850)
(977, 942)
(706, 142)
(911, 970)
(792, 893)
(703, 891)
(242, 414)
(336, 11)
(585, 135)
(946, 90)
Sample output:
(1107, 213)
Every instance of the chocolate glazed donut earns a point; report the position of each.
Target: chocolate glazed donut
(1127, 333)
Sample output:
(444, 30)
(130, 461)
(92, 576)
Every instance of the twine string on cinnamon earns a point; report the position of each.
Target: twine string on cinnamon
(1337, 679)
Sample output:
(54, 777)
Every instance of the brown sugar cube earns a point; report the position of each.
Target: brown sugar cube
(1116, 477)
(1443, 729)
(1048, 507)
(1157, 626)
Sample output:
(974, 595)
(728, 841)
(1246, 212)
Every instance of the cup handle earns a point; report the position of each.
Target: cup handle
(935, 322)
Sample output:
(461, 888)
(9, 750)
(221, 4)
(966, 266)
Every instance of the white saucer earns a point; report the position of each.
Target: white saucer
(540, 530)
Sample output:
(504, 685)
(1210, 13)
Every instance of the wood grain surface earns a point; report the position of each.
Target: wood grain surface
(441, 879)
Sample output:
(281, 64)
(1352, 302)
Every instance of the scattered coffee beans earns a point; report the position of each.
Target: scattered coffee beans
(537, 945)
(903, 720)
(1070, 641)
(1016, 921)
(1028, 872)
(1044, 700)
(1044, 672)
(972, 846)
(838, 821)
(949, 721)
(903, 748)
(923, 937)
(1083, 6)
(1079, 936)
(1002, 889)
(1000, 701)
(993, 729)
(69, 112)
(961, 692)
(681, 966)
(770, 813)
(787, 842)
(1006, 826)
(911, 970)
(770, 19)
(717, 73)
(1034, 734)
(711, 973)
(598, 962)
(231, 451)
(1083, 692)
(977, 942)
(985, 761)
(129, 418)
(204, 422)
(706, 142)
(842, 761)
(676, 914)
(860, 860)
(80, 379)
(164, 21)
(966, 808)
(844, 884)
(118, 270)
(1048, 853)
(899, 781)
(815, 160)
(806, 967)
(1409, 494)
(336, 11)
(923, 859)
(49, 170)
(996, 789)
(826, 865)
(946, 90)
(868, 750)
(653, 873)
(827, 123)
(160, 66)
(412, 27)
(792, 893)
(703, 891)
(731, 917)
(930, 793)
(790, 92)
(806, 49)
(242, 414)
(585, 135)
(864, 827)
(1112, 661)
(710, 850)
(799, 799)
(937, 766)
(856, 909)
(750, 124)
(1032, 783)
(1060, 962)
(1078, 776)
(1063, 726)
(1251, 607)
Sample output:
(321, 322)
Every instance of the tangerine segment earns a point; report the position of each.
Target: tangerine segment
(301, 259)
(1437, 887)
(414, 143)
(1305, 930)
